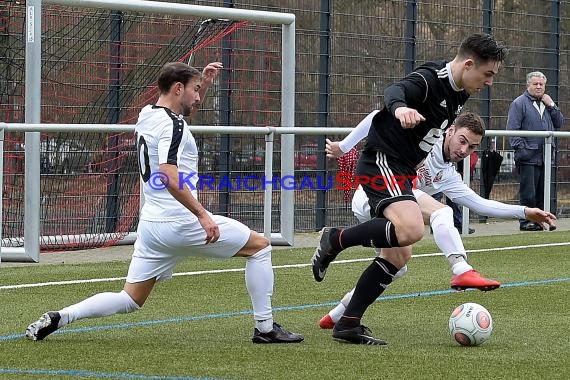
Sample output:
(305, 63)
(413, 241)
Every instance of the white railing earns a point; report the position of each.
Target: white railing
(285, 236)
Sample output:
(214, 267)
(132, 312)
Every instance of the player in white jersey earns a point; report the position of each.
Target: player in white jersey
(437, 174)
(173, 224)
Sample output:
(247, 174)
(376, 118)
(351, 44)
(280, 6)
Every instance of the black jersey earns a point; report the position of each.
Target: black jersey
(431, 91)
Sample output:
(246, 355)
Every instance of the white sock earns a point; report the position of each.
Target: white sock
(259, 283)
(461, 267)
(264, 326)
(99, 305)
(448, 239)
(339, 309)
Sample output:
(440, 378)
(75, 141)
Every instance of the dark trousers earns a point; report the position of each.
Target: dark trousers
(531, 189)
(457, 213)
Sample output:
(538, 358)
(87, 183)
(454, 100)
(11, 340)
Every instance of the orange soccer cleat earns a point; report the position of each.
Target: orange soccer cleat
(326, 322)
(472, 279)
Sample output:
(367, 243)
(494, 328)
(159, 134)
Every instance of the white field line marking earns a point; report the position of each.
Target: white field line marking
(216, 271)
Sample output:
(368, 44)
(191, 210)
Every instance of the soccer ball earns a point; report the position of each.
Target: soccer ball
(470, 324)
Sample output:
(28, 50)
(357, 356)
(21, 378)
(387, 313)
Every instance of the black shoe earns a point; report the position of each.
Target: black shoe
(469, 231)
(277, 335)
(324, 255)
(43, 326)
(358, 335)
(530, 227)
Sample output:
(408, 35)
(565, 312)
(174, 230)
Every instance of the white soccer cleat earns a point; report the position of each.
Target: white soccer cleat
(44, 326)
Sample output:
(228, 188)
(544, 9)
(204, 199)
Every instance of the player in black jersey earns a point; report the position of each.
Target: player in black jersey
(417, 110)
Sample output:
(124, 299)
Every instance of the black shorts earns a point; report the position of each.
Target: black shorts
(385, 180)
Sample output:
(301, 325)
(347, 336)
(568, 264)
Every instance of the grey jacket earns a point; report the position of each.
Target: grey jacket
(524, 116)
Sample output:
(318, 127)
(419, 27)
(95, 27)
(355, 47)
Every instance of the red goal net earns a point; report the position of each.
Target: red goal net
(99, 67)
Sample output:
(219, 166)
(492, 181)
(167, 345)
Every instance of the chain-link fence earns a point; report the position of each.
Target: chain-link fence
(347, 52)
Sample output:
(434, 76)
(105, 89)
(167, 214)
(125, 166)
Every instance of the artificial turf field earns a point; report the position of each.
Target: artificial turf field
(199, 324)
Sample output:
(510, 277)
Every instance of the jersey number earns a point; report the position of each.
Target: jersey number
(143, 161)
(432, 136)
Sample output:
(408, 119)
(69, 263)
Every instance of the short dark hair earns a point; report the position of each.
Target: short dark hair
(482, 48)
(174, 72)
(471, 121)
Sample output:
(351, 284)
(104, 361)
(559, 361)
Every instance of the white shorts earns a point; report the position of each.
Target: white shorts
(161, 245)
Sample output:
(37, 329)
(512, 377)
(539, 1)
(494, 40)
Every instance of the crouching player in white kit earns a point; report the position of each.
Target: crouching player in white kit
(173, 224)
(437, 174)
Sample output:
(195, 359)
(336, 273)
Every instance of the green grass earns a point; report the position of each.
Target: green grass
(200, 326)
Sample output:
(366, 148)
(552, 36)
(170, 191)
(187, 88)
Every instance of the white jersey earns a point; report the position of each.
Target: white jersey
(164, 138)
(437, 175)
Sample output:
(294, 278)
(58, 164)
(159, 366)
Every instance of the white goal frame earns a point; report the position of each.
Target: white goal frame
(29, 251)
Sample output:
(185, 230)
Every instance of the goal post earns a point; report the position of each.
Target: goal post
(33, 105)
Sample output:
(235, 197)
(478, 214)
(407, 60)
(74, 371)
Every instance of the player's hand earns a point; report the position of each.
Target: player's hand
(210, 72)
(543, 218)
(408, 117)
(211, 228)
(333, 149)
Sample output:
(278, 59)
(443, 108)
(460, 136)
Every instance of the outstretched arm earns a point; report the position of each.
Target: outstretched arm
(336, 149)
(488, 207)
(496, 209)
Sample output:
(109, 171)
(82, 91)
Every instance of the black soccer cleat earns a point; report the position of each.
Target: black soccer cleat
(44, 326)
(324, 255)
(277, 335)
(357, 335)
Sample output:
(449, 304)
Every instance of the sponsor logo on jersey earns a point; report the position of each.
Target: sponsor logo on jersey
(438, 177)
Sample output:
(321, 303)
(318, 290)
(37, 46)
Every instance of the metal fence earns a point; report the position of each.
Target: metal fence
(347, 52)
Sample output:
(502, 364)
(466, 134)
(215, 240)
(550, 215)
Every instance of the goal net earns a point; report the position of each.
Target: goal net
(99, 67)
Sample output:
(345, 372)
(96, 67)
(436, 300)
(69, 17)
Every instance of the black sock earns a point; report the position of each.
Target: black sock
(371, 284)
(378, 233)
